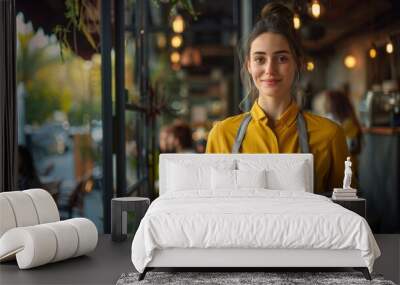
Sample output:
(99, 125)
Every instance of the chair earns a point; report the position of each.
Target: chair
(31, 231)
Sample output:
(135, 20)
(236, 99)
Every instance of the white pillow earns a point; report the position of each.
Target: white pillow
(183, 175)
(236, 179)
(223, 179)
(251, 178)
(293, 179)
(281, 175)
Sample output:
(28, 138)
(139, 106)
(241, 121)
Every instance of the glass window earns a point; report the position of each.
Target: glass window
(60, 127)
(192, 65)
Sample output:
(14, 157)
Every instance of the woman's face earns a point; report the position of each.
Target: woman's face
(164, 140)
(271, 65)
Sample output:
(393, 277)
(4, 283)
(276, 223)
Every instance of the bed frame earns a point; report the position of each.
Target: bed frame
(247, 259)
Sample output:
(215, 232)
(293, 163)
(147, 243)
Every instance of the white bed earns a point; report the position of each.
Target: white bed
(245, 210)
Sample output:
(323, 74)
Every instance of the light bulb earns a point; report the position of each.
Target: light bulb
(175, 57)
(372, 52)
(350, 61)
(310, 66)
(389, 47)
(296, 21)
(178, 24)
(315, 9)
(176, 41)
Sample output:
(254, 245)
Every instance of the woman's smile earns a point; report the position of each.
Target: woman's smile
(272, 82)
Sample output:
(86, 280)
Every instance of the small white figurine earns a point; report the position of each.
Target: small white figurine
(347, 174)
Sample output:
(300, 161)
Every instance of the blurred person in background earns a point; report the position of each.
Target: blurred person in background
(339, 108)
(174, 138)
(181, 138)
(165, 139)
(200, 145)
(165, 146)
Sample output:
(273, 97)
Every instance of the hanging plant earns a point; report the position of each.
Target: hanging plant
(183, 4)
(82, 16)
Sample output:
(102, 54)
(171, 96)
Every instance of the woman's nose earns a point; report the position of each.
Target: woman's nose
(270, 67)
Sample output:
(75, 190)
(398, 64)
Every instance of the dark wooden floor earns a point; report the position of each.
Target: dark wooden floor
(110, 260)
(103, 266)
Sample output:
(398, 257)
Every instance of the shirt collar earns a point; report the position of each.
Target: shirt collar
(287, 118)
(257, 113)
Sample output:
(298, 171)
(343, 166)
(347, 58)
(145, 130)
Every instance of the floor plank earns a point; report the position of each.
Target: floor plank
(389, 262)
(110, 260)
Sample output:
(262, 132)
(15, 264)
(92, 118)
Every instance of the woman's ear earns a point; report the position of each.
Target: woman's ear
(248, 66)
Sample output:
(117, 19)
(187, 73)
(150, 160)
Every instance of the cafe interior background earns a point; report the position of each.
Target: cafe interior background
(151, 65)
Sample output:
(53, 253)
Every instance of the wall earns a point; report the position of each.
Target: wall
(335, 74)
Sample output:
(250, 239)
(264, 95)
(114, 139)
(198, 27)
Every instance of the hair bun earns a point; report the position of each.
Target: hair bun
(277, 10)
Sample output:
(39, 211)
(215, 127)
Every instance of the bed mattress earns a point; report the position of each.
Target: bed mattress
(250, 219)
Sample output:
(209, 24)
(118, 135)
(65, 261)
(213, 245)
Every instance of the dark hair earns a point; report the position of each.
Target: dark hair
(340, 105)
(275, 18)
(183, 133)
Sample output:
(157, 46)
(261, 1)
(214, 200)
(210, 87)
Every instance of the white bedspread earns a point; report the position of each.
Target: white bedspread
(256, 218)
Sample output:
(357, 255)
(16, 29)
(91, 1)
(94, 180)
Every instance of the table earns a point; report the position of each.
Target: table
(357, 205)
(120, 207)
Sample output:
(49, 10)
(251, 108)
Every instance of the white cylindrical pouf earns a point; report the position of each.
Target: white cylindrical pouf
(24, 210)
(34, 246)
(45, 205)
(7, 218)
(67, 239)
(87, 234)
(40, 247)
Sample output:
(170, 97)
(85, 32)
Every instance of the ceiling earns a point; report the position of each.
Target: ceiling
(340, 19)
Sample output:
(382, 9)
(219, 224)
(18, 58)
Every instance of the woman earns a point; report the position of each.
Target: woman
(339, 108)
(272, 60)
(182, 138)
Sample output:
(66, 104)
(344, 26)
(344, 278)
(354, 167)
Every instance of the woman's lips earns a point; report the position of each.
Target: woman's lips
(271, 82)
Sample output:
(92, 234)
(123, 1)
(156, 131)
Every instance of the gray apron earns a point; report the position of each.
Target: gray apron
(301, 129)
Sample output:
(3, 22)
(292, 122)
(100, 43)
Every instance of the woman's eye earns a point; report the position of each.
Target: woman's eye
(282, 58)
(259, 60)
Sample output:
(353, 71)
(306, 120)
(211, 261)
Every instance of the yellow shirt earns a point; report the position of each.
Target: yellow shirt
(326, 140)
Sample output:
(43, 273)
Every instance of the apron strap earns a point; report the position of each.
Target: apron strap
(301, 129)
(303, 135)
(241, 133)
